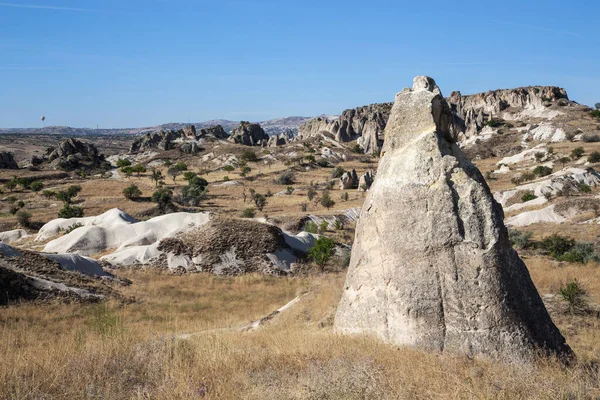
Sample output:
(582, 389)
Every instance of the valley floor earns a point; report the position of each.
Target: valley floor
(137, 349)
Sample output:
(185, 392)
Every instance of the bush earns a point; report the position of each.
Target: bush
(557, 245)
(49, 194)
(574, 295)
(596, 114)
(226, 178)
(581, 253)
(194, 192)
(519, 240)
(72, 227)
(286, 178)
(345, 196)
(123, 162)
(163, 198)
(493, 124)
(539, 156)
(181, 166)
(338, 225)
(36, 186)
(248, 213)
(228, 168)
(322, 251)
(542, 170)
(260, 201)
(584, 188)
(24, 218)
(357, 149)
(189, 175)
(289, 190)
(564, 160)
(577, 153)
(249, 155)
(311, 193)
(66, 196)
(327, 201)
(21, 204)
(310, 159)
(594, 157)
(311, 227)
(245, 170)
(69, 211)
(528, 197)
(132, 192)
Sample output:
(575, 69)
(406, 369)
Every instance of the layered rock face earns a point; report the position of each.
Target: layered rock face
(72, 154)
(214, 131)
(473, 111)
(249, 134)
(162, 140)
(366, 124)
(431, 264)
(7, 161)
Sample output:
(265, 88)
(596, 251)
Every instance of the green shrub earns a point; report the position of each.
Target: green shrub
(21, 204)
(345, 196)
(322, 251)
(260, 201)
(311, 193)
(557, 245)
(69, 211)
(36, 186)
(574, 295)
(542, 170)
(311, 227)
(338, 225)
(564, 160)
(539, 156)
(194, 192)
(596, 114)
(189, 175)
(181, 166)
(338, 172)
(577, 152)
(323, 226)
(24, 218)
(245, 170)
(580, 253)
(228, 168)
(49, 194)
(72, 227)
(286, 178)
(594, 157)
(357, 149)
(248, 213)
(584, 188)
(528, 197)
(132, 192)
(519, 239)
(249, 155)
(163, 198)
(289, 190)
(226, 178)
(327, 201)
(123, 162)
(592, 138)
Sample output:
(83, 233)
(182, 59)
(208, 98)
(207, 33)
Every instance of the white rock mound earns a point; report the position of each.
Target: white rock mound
(13, 236)
(431, 264)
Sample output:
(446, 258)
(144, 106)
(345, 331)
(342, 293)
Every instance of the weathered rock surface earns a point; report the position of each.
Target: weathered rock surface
(7, 161)
(163, 140)
(431, 264)
(249, 134)
(72, 154)
(190, 132)
(365, 181)
(214, 131)
(349, 180)
(472, 112)
(366, 124)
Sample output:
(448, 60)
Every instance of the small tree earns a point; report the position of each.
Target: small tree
(49, 194)
(132, 192)
(245, 170)
(162, 197)
(597, 106)
(138, 169)
(228, 168)
(128, 171)
(156, 176)
(249, 155)
(181, 166)
(36, 186)
(564, 161)
(594, 157)
(311, 193)
(345, 196)
(260, 201)
(69, 211)
(11, 185)
(574, 295)
(286, 178)
(189, 175)
(173, 172)
(577, 153)
(123, 162)
(24, 218)
(327, 201)
(195, 191)
(322, 251)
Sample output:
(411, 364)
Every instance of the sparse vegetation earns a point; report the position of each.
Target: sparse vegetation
(577, 152)
(163, 198)
(286, 178)
(322, 251)
(24, 218)
(326, 200)
(249, 156)
(69, 211)
(574, 295)
(520, 239)
(248, 213)
(528, 197)
(594, 157)
(132, 192)
(542, 170)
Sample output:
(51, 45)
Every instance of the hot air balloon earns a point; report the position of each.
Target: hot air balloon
(43, 118)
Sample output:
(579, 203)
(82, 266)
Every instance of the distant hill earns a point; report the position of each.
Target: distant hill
(271, 127)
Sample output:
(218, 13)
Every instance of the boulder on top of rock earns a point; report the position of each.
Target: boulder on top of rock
(72, 154)
(7, 160)
(215, 131)
(431, 264)
(249, 134)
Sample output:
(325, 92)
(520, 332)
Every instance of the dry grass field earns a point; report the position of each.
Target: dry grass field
(135, 350)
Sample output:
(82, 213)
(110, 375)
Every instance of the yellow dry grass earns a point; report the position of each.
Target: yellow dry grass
(130, 351)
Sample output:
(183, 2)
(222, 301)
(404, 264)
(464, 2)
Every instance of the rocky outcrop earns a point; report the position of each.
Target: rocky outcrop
(7, 161)
(249, 134)
(349, 180)
(280, 140)
(190, 148)
(365, 124)
(189, 132)
(365, 181)
(162, 140)
(431, 264)
(72, 154)
(214, 131)
(472, 112)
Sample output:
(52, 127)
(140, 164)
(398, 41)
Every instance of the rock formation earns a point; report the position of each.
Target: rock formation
(349, 180)
(365, 181)
(7, 161)
(431, 264)
(470, 113)
(72, 154)
(163, 140)
(189, 132)
(214, 131)
(366, 124)
(249, 135)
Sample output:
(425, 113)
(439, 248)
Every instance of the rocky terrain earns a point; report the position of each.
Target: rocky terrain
(473, 228)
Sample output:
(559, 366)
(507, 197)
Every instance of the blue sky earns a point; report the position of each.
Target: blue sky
(132, 63)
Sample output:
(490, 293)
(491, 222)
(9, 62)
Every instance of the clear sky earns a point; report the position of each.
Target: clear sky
(130, 63)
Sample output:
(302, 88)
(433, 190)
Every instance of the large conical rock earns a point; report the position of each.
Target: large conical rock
(431, 264)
